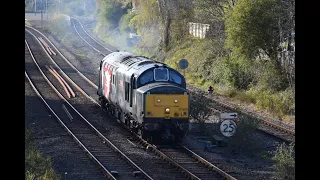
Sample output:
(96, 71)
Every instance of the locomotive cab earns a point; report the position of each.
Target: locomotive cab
(164, 108)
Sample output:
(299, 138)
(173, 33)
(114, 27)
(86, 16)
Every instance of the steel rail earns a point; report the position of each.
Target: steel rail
(91, 36)
(69, 88)
(207, 163)
(172, 162)
(86, 41)
(91, 126)
(68, 130)
(66, 76)
(60, 81)
(67, 61)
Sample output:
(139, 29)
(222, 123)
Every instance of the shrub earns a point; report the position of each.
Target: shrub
(270, 78)
(244, 133)
(246, 97)
(37, 166)
(59, 25)
(280, 104)
(284, 161)
(199, 109)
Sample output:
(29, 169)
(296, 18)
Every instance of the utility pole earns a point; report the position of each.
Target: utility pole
(35, 7)
(41, 13)
(47, 8)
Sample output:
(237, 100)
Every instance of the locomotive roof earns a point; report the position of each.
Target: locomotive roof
(131, 62)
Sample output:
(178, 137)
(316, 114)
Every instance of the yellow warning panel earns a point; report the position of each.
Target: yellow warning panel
(166, 106)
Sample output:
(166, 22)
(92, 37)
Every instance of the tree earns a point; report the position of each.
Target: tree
(286, 24)
(110, 13)
(212, 12)
(252, 29)
(174, 15)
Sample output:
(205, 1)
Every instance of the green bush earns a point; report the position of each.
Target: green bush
(37, 166)
(284, 161)
(199, 109)
(281, 103)
(270, 78)
(244, 131)
(225, 90)
(246, 97)
(238, 72)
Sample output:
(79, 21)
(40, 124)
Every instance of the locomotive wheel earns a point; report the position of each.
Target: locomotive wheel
(146, 135)
(102, 101)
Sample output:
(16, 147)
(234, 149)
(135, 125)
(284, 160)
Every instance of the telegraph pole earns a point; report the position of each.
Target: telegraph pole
(35, 7)
(41, 13)
(47, 8)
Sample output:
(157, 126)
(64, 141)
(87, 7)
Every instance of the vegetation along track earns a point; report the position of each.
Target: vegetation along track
(111, 160)
(177, 166)
(272, 127)
(266, 125)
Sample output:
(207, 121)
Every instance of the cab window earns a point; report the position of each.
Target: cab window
(161, 74)
(175, 77)
(147, 77)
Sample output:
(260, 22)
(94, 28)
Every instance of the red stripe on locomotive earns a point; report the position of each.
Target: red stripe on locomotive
(107, 73)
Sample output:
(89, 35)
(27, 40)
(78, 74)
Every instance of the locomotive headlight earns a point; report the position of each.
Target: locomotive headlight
(167, 110)
(175, 100)
(158, 100)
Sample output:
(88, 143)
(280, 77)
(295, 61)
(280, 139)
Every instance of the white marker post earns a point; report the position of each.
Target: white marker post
(228, 124)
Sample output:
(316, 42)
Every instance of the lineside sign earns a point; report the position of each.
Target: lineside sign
(228, 116)
(228, 124)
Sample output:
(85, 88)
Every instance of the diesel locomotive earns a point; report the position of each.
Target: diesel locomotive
(147, 96)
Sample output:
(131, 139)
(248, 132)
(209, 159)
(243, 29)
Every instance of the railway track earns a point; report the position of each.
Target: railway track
(94, 43)
(185, 160)
(94, 144)
(172, 162)
(193, 162)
